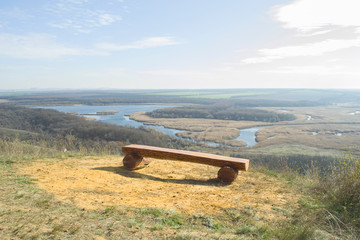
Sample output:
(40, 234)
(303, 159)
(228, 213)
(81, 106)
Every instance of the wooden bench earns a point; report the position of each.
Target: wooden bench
(135, 158)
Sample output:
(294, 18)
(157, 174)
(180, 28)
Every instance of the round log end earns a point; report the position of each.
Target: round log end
(132, 161)
(227, 174)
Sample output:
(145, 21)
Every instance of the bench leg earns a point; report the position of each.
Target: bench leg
(133, 161)
(227, 174)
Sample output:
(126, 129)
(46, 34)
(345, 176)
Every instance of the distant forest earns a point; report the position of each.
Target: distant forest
(36, 123)
(222, 112)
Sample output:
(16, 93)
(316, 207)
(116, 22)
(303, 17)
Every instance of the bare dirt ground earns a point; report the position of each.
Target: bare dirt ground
(99, 182)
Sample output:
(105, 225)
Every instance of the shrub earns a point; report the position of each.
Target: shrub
(344, 189)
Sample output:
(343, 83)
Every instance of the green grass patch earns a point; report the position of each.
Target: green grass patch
(342, 189)
(208, 221)
(282, 210)
(22, 180)
(309, 202)
(296, 232)
(244, 229)
(155, 212)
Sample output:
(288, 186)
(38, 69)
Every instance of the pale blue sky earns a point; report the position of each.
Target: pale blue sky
(171, 44)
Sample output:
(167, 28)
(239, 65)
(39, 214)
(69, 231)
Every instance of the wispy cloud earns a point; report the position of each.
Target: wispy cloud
(306, 50)
(313, 70)
(320, 23)
(38, 46)
(310, 15)
(78, 16)
(150, 42)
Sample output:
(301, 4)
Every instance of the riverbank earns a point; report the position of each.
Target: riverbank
(329, 128)
(211, 130)
(107, 112)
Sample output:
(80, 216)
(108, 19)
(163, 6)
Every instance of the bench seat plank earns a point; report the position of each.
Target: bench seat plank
(186, 156)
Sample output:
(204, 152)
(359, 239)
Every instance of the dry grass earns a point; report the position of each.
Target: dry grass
(330, 136)
(321, 114)
(193, 124)
(343, 189)
(212, 134)
(329, 128)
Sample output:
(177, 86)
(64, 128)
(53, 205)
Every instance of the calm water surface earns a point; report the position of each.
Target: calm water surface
(119, 118)
(248, 136)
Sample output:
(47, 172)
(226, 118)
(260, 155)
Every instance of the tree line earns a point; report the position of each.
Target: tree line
(50, 124)
(222, 112)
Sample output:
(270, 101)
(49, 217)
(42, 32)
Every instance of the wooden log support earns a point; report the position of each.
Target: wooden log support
(135, 158)
(133, 161)
(227, 174)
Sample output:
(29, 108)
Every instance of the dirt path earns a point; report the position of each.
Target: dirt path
(97, 182)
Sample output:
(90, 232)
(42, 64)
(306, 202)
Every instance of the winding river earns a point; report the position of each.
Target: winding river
(248, 136)
(121, 118)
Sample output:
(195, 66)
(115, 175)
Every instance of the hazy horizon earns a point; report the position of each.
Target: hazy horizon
(168, 89)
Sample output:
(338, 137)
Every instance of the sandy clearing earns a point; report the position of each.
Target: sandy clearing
(98, 182)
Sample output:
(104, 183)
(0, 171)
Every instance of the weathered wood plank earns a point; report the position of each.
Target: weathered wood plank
(187, 156)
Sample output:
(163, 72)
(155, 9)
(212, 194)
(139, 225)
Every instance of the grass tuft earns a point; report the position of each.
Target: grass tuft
(309, 202)
(345, 183)
(296, 232)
